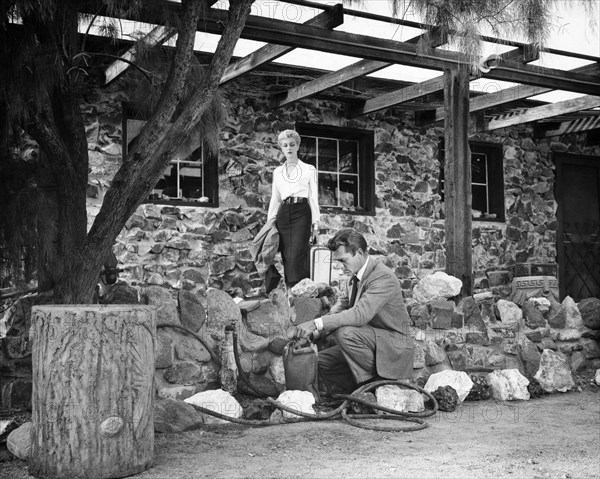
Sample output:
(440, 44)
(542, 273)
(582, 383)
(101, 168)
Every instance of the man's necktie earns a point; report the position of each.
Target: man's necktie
(354, 289)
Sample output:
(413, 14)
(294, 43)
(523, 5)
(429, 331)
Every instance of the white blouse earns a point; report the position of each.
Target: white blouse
(301, 181)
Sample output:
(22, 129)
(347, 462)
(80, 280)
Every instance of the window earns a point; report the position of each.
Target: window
(345, 166)
(487, 180)
(191, 179)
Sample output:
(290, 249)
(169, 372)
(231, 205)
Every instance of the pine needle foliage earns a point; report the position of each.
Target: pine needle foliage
(464, 22)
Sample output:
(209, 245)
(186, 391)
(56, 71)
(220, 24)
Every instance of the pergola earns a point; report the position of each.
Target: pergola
(494, 110)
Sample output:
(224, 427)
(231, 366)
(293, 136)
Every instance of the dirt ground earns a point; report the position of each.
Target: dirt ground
(556, 436)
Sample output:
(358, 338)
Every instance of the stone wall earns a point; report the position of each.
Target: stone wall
(191, 261)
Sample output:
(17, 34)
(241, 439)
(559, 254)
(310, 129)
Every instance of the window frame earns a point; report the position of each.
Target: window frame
(495, 176)
(366, 162)
(209, 166)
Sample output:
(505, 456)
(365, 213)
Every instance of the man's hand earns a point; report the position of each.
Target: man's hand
(305, 330)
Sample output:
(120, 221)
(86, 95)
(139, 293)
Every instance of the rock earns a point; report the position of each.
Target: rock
(434, 354)
(542, 304)
(509, 311)
(533, 316)
(121, 293)
(569, 334)
(472, 315)
(554, 374)
(589, 308)
(176, 392)
(218, 401)
(508, 385)
(441, 314)
(459, 380)
(190, 349)
(163, 354)
(578, 361)
(591, 348)
(221, 311)
(399, 398)
(548, 343)
(557, 317)
(18, 441)
(481, 389)
(305, 288)
(477, 337)
(573, 319)
(301, 401)
(535, 389)
(435, 286)
(446, 397)
(172, 415)
(597, 377)
(166, 307)
(188, 373)
(307, 309)
(265, 320)
(529, 355)
(192, 312)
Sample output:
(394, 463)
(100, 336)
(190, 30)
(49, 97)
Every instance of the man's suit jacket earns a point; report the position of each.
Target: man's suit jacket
(379, 304)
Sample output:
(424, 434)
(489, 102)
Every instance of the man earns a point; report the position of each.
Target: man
(371, 323)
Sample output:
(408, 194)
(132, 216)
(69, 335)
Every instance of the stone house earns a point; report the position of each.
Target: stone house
(186, 250)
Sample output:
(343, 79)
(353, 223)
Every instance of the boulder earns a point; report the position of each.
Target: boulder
(172, 415)
(218, 401)
(509, 312)
(573, 316)
(18, 441)
(459, 380)
(193, 313)
(508, 385)
(533, 316)
(481, 389)
(221, 311)
(554, 374)
(438, 285)
(434, 354)
(446, 397)
(589, 308)
(299, 400)
(399, 398)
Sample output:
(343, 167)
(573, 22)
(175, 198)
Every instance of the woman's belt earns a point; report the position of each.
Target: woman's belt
(290, 200)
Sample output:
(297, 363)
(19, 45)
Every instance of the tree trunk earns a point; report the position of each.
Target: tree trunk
(93, 369)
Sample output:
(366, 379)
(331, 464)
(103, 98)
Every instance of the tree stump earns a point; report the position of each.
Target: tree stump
(93, 369)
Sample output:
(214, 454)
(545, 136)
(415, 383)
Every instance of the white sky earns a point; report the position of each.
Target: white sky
(572, 31)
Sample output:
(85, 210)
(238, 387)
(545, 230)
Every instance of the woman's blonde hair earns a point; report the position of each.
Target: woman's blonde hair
(288, 134)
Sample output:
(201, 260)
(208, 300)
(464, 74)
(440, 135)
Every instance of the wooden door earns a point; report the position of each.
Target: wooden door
(578, 234)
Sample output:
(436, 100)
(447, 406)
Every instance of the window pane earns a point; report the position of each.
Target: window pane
(308, 150)
(480, 198)
(348, 156)
(348, 191)
(479, 168)
(327, 189)
(328, 155)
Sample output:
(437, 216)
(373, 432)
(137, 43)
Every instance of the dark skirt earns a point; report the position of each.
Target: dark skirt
(294, 225)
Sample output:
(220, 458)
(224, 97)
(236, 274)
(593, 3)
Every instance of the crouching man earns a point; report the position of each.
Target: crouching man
(370, 322)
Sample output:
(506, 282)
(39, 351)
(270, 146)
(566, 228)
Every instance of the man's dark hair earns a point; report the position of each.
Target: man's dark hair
(349, 238)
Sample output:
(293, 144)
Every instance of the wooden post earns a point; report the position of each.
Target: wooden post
(457, 178)
(93, 369)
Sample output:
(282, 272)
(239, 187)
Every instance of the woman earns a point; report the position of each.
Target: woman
(295, 208)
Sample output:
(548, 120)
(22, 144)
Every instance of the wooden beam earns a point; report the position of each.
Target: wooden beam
(427, 87)
(518, 92)
(356, 70)
(330, 18)
(565, 127)
(314, 38)
(399, 96)
(156, 36)
(457, 179)
(541, 112)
